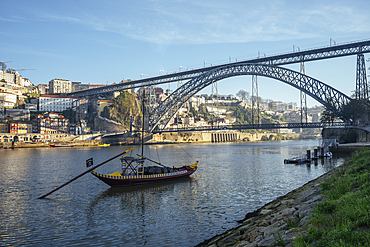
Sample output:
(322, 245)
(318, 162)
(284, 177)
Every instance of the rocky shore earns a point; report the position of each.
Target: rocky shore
(277, 223)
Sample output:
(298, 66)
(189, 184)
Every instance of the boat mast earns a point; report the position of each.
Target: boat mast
(142, 125)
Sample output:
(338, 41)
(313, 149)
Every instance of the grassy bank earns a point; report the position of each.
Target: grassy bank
(343, 219)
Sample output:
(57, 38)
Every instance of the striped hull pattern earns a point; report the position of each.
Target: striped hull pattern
(142, 179)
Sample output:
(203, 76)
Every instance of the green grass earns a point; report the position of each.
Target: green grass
(344, 218)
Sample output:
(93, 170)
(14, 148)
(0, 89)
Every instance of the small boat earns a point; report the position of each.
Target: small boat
(103, 144)
(327, 154)
(135, 172)
(61, 145)
(296, 160)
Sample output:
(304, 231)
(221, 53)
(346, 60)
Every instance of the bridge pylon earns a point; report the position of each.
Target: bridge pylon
(362, 90)
(303, 95)
(255, 102)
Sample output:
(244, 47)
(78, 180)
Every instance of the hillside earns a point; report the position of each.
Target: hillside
(123, 108)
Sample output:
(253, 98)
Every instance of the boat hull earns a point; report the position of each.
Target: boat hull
(112, 180)
(61, 146)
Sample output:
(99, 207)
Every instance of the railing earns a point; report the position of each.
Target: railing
(254, 126)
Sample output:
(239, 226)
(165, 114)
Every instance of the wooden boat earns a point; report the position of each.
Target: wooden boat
(135, 172)
(61, 145)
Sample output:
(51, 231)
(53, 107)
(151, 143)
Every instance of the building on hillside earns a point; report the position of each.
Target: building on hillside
(43, 88)
(3, 127)
(60, 86)
(55, 103)
(10, 76)
(91, 86)
(9, 99)
(196, 101)
(18, 114)
(19, 127)
(277, 106)
(50, 123)
(78, 86)
(25, 82)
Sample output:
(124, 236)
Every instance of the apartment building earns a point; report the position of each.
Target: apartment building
(19, 128)
(3, 127)
(56, 103)
(60, 86)
(8, 99)
(50, 123)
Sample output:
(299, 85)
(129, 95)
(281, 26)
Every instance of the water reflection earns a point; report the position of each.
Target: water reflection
(232, 180)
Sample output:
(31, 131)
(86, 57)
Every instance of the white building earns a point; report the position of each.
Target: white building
(60, 86)
(197, 101)
(26, 82)
(10, 76)
(55, 103)
(8, 99)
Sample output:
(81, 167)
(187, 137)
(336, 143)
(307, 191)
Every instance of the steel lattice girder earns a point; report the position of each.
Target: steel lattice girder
(254, 126)
(288, 58)
(318, 90)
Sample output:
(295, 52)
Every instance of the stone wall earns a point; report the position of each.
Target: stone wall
(351, 134)
(103, 124)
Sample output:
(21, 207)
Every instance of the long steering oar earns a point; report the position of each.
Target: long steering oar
(42, 197)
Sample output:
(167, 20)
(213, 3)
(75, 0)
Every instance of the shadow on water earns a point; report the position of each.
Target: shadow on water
(134, 190)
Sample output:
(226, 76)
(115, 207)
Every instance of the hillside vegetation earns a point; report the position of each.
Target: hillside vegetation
(123, 108)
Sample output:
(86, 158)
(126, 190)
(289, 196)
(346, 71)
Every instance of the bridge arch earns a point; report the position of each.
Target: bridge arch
(318, 90)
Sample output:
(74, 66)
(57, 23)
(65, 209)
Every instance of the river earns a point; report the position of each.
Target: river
(232, 180)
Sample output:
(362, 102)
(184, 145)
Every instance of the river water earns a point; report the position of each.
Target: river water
(232, 180)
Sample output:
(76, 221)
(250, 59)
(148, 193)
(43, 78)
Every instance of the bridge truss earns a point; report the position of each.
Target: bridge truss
(349, 49)
(318, 90)
(254, 126)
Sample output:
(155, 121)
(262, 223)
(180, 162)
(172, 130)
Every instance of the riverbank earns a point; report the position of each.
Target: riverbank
(299, 216)
(47, 144)
(164, 138)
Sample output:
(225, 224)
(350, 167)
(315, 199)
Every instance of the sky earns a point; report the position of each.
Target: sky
(106, 41)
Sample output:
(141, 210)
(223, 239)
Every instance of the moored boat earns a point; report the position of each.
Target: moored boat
(134, 172)
(103, 144)
(296, 160)
(61, 145)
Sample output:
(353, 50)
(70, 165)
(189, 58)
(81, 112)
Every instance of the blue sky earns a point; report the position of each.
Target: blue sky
(100, 42)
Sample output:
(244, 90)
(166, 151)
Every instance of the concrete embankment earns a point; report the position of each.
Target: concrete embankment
(277, 223)
(216, 136)
(349, 147)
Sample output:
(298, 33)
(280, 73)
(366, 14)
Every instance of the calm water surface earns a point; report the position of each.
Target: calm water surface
(232, 180)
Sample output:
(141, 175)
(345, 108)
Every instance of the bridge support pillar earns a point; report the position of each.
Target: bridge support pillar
(362, 91)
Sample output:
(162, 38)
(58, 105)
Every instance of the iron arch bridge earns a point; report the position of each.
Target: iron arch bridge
(318, 90)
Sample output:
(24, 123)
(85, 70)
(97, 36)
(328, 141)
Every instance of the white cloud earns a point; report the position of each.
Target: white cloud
(164, 23)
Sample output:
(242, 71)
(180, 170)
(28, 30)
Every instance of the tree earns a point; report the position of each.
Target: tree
(330, 112)
(243, 94)
(354, 110)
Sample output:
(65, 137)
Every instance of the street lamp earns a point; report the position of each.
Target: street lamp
(297, 48)
(182, 67)
(230, 57)
(206, 62)
(141, 75)
(332, 40)
(262, 53)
